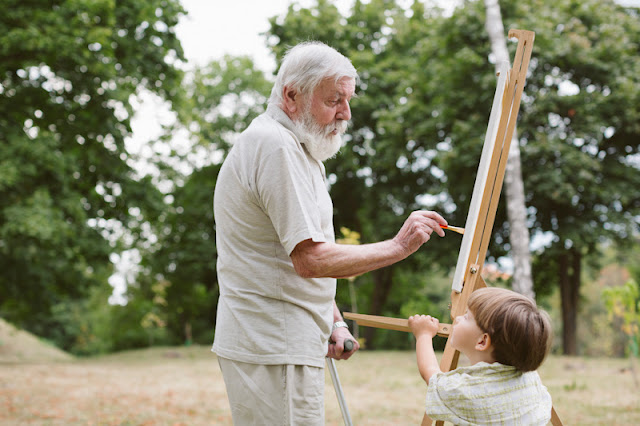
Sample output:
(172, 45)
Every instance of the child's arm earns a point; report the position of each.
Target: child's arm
(424, 327)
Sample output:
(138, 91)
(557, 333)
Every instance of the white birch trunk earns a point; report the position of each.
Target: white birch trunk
(514, 187)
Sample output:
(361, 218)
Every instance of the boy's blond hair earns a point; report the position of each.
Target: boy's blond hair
(520, 332)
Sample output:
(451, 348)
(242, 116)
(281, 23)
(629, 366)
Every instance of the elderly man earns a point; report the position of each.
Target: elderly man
(277, 257)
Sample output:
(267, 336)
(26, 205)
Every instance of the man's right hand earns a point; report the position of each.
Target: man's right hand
(327, 259)
(417, 229)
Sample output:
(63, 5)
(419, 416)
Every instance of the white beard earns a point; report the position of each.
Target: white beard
(318, 140)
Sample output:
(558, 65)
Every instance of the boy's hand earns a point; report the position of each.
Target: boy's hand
(423, 325)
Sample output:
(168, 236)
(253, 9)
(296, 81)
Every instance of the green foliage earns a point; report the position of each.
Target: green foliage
(68, 189)
(220, 99)
(598, 333)
(623, 302)
(216, 102)
(85, 324)
(424, 96)
(185, 256)
(584, 140)
(67, 186)
(425, 295)
(128, 331)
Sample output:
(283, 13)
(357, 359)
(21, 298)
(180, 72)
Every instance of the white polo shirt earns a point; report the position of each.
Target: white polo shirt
(270, 195)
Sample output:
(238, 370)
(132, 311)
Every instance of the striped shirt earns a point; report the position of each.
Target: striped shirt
(488, 394)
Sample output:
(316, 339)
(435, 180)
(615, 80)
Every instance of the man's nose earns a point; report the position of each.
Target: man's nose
(344, 111)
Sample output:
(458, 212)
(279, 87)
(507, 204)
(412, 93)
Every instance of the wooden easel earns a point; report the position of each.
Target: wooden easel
(484, 203)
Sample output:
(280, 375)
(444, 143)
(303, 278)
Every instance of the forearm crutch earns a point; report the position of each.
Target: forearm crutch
(336, 385)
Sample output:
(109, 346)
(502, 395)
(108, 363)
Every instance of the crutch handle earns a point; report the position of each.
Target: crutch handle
(348, 345)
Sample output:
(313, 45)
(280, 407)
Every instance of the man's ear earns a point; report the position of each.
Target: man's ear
(483, 343)
(291, 100)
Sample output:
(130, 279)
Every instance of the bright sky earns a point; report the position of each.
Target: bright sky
(215, 27)
(211, 29)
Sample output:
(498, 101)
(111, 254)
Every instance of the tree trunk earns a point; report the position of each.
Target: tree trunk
(569, 272)
(382, 281)
(514, 186)
(188, 335)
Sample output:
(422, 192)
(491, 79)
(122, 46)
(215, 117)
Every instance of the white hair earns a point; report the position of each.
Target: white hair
(305, 66)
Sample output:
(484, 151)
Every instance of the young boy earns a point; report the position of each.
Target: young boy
(506, 338)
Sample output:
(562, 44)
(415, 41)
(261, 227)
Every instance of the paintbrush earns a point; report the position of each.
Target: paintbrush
(453, 228)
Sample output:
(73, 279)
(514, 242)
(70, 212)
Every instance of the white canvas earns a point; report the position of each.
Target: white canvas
(471, 225)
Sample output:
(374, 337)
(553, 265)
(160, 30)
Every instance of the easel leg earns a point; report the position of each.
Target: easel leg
(555, 420)
(426, 421)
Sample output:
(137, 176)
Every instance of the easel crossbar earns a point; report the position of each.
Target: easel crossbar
(398, 324)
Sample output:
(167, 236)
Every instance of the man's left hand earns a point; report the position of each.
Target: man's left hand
(336, 344)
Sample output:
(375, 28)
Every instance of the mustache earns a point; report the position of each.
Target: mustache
(339, 125)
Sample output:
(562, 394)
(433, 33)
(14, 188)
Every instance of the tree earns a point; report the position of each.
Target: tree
(425, 93)
(579, 150)
(218, 101)
(67, 185)
(580, 137)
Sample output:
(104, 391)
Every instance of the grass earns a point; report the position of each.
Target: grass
(19, 346)
(183, 386)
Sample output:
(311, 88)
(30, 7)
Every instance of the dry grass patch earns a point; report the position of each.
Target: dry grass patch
(21, 346)
(183, 386)
(385, 388)
(158, 386)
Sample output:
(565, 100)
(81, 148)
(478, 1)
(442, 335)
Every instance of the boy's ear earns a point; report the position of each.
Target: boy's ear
(483, 343)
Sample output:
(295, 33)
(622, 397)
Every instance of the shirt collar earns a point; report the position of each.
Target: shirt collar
(281, 117)
(276, 113)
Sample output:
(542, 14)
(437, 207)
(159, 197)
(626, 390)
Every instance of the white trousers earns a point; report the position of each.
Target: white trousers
(274, 395)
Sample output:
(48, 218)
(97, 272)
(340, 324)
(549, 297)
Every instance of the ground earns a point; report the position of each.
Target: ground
(183, 386)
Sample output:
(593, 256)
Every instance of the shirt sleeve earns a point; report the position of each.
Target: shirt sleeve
(441, 397)
(287, 193)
